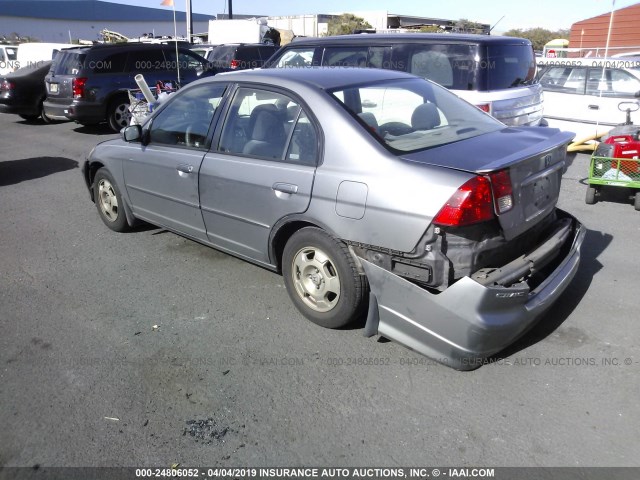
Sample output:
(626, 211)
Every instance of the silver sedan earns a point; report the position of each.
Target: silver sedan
(376, 194)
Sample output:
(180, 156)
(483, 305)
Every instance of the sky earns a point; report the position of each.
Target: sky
(549, 14)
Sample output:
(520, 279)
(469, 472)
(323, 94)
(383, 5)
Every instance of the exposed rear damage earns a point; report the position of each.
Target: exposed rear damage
(480, 314)
(493, 259)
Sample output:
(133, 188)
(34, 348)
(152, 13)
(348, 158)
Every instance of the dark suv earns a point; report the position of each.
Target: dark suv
(240, 56)
(90, 84)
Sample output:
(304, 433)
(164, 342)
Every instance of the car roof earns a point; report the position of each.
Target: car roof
(325, 78)
(367, 38)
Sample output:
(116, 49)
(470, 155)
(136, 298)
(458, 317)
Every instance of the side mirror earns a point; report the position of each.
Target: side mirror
(132, 133)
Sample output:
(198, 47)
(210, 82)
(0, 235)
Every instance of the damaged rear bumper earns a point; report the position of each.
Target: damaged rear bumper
(469, 321)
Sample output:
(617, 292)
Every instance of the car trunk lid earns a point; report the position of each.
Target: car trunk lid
(534, 158)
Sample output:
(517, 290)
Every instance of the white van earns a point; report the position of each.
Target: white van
(8, 58)
(33, 54)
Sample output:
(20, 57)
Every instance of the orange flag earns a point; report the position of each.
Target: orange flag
(167, 3)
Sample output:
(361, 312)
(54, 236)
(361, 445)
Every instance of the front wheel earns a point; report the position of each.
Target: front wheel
(118, 114)
(28, 118)
(636, 203)
(109, 201)
(322, 279)
(590, 198)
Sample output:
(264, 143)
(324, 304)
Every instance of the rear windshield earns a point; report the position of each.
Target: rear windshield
(222, 56)
(509, 66)
(67, 63)
(409, 115)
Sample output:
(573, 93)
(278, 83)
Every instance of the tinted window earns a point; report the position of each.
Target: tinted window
(221, 56)
(345, 56)
(68, 63)
(508, 66)
(12, 53)
(453, 66)
(296, 57)
(113, 63)
(146, 61)
(186, 119)
(186, 60)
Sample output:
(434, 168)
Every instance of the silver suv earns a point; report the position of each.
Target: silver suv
(496, 74)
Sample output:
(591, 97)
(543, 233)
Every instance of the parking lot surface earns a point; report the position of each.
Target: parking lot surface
(147, 349)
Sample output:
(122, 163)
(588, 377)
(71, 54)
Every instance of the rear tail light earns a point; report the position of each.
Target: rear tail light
(6, 85)
(502, 190)
(234, 64)
(485, 107)
(77, 85)
(472, 203)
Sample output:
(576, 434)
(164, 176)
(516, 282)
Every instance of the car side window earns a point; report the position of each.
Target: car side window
(296, 57)
(260, 123)
(185, 121)
(611, 83)
(564, 79)
(345, 56)
(303, 147)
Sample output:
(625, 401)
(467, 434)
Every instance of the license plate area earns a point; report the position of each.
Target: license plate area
(53, 88)
(540, 194)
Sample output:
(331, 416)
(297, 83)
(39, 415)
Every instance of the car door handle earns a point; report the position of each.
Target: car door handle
(285, 188)
(594, 107)
(184, 168)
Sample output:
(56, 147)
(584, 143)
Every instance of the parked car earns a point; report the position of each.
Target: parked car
(240, 56)
(22, 92)
(497, 74)
(8, 58)
(582, 94)
(202, 49)
(350, 180)
(90, 84)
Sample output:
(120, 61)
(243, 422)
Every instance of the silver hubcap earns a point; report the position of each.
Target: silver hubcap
(122, 115)
(316, 279)
(107, 200)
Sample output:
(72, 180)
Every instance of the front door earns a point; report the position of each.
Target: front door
(161, 178)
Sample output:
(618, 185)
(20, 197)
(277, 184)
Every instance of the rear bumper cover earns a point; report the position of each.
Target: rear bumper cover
(468, 322)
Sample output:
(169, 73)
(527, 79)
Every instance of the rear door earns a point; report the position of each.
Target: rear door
(259, 170)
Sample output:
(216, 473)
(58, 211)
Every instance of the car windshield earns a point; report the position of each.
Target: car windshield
(414, 114)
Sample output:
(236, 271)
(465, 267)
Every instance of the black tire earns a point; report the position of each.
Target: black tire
(109, 201)
(590, 198)
(636, 203)
(118, 114)
(45, 118)
(28, 118)
(329, 271)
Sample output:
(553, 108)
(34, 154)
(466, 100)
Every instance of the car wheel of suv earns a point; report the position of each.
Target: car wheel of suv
(109, 201)
(118, 114)
(590, 198)
(636, 203)
(322, 279)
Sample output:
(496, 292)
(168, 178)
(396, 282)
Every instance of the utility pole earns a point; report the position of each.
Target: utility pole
(230, 9)
(189, 21)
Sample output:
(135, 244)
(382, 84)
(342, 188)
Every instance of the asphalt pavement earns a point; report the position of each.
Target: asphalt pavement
(147, 349)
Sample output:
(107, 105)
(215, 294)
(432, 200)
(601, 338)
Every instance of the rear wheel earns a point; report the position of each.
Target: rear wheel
(109, 201)
(322, 279)
(636, 203)
(590, 198)
(118, 114)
